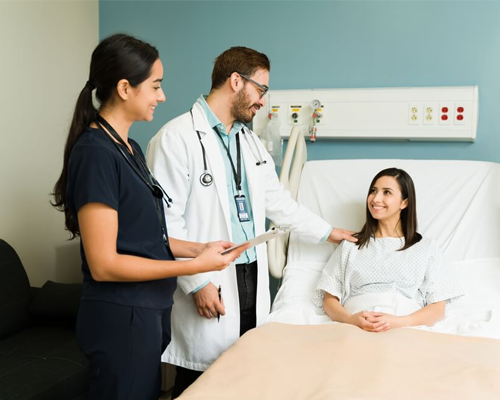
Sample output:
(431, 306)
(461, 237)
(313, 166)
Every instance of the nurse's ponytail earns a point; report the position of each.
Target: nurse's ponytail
(117, 57)
(83, 116)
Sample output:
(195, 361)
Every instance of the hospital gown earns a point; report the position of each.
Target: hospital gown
(418, 273)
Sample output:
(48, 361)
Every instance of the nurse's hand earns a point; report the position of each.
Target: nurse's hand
(220, 245)
(337, 235)
(211, 258)
(207, 302)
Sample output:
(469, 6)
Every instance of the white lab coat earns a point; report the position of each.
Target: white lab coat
(201, 213)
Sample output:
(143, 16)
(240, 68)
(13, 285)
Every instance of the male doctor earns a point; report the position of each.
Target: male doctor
(223, 184)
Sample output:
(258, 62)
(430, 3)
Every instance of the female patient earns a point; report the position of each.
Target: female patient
(392, 277)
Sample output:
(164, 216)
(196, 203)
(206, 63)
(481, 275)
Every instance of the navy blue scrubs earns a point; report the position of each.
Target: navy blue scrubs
(122, 327)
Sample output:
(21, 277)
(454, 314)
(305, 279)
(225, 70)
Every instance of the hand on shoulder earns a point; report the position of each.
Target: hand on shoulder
(338, 235)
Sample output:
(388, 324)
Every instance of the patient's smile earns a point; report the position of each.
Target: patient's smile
(377, 207)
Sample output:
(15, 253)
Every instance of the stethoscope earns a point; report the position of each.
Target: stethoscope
(150, 182)
(156, 189)
(206, 178)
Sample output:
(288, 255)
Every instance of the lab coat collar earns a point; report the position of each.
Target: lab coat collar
(200, 121)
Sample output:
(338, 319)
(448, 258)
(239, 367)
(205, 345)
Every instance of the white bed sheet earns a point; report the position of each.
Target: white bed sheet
(458, 205)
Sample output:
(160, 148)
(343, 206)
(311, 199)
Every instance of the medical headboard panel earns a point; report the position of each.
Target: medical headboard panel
(419, 113)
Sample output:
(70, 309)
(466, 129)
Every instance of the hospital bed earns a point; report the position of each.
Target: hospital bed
(302, 355)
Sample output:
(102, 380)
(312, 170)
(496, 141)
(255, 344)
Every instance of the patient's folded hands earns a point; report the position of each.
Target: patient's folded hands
(388, 320)
(372, 321)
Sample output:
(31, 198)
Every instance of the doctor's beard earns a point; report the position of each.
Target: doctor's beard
(241, 109)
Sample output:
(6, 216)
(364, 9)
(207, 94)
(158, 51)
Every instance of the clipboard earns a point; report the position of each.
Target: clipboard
(270, 234)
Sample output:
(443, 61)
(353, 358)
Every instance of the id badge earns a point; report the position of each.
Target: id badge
(241, 207)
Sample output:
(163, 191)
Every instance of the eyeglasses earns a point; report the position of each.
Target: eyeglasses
(263, 88)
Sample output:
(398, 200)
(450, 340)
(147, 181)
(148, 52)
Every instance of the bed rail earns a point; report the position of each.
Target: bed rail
(291, 171)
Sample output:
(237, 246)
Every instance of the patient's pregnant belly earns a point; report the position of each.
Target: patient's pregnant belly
(390, 303)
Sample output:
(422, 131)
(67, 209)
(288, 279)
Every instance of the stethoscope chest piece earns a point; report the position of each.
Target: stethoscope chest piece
(157, 192)
(206, 179)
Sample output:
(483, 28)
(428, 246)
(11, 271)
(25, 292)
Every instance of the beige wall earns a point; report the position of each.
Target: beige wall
(45, 49)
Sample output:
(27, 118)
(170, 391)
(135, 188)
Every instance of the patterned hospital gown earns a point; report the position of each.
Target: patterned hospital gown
(419, 273)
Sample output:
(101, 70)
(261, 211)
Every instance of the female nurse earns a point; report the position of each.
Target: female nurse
(111, 200)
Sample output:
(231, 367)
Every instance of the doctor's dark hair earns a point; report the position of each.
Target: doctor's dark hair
(238, 59)
(117, 57)
(408, 217)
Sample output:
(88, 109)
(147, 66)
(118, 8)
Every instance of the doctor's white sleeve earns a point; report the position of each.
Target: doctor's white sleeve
(281, 208)
(167, 157)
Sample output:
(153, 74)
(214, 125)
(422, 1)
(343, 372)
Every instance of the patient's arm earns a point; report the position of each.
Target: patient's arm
(338, 313)
(428, 315)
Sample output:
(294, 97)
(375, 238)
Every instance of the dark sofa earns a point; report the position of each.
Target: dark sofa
(39, 356)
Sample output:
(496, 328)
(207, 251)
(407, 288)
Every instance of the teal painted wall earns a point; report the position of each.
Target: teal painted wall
(328, 44)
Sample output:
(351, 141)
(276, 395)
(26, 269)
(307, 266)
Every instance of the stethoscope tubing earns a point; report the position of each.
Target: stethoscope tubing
(206, 178)
(260, 159)
(155, 187)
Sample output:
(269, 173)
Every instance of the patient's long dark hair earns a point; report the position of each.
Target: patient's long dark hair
(117, 57)
(408, 217)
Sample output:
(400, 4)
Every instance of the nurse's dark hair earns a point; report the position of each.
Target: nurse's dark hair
(408, 217)
(117, 57)
(238, 59)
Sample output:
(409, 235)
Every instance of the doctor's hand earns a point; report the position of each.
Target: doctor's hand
(207, 302)
(337, 235)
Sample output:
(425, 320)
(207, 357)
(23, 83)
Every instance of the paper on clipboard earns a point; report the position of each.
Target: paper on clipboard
(270, 234)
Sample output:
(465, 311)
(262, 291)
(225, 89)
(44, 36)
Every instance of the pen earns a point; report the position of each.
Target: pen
(220, 298)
